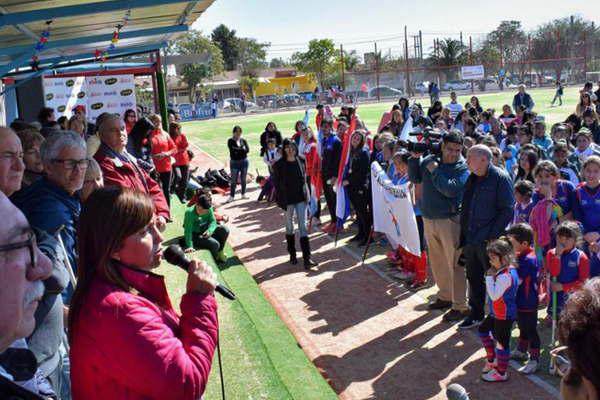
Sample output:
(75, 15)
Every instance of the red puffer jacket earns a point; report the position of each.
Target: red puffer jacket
(134, 346)
(124, 174)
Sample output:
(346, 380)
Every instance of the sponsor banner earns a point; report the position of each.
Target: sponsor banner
(189, 112)
(111, 93)
(393, 212)
(472, 72)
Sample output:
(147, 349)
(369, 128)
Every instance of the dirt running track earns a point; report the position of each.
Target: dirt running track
(370, 338)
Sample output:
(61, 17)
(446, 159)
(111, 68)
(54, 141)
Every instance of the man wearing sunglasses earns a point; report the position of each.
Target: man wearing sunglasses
(22, 268)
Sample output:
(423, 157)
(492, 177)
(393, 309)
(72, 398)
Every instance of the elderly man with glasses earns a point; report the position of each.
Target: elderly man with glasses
(52, 203)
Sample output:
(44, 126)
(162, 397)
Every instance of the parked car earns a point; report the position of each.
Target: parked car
(422, 87)
(293, 99)
(232, 104)
(385, 91)
(456, 84)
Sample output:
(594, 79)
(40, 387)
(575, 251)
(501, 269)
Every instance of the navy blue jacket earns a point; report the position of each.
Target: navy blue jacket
(47, 206)
(488, 206)
(526, 101)
(331, 153)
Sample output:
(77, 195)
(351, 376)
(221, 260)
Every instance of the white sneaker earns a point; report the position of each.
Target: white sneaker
(244, 197)
(488, 366)
(529, 368)
(494, 376)
(519, 355)
(229, 200)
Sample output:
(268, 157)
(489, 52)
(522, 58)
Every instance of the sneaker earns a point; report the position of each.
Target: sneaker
(454, 316)
(417, 284)
(494, 376)
(519, 355)
(439, 305)
(229, 200)
(529, 368)
(489, 366)
(469, 323)
(244, 197)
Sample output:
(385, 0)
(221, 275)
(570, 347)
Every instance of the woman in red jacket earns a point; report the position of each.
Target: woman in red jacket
(127, 341)
(163, 149)
(182, 160)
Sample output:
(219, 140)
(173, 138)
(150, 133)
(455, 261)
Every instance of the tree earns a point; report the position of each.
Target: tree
(226, 40)
(277, 63)
(319, 59)
(252, 55)
(351, 60)
(510, 37)
(194, 74)
(249, 84)
(449, 52)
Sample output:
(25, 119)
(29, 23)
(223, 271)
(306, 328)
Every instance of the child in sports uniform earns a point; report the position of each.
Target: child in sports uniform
(501, 282)
(528, 269)
(586, 210)
(568, 266)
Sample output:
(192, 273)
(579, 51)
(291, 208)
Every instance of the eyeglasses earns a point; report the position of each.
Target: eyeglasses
(559, 362)
(71, 164)
(31, 242)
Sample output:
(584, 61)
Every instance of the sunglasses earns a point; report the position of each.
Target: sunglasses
(560, 364)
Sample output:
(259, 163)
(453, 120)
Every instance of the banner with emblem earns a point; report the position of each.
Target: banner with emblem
(108, 93)
(393, 212)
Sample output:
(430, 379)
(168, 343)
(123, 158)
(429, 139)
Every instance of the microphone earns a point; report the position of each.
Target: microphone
(456, 392)
(175, 255)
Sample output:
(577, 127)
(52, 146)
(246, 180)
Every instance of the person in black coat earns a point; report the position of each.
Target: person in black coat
(238, 162)
(270, 132)
(291, 194)
(139, 144)
(356, 180)
(331, 152)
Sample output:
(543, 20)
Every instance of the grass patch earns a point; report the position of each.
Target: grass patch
(261, 359)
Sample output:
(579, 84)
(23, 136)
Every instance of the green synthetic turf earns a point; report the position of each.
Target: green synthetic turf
(261, 359)
(211, 135)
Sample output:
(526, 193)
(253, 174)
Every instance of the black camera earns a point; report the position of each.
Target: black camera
(430, 144)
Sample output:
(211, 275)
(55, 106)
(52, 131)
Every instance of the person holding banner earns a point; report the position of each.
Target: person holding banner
(356, 180)
(443, 179)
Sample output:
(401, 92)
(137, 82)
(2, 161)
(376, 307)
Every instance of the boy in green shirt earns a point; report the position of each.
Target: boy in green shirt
(201, 230)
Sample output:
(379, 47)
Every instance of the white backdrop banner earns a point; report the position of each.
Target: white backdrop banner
(393, 212)
(108, 93)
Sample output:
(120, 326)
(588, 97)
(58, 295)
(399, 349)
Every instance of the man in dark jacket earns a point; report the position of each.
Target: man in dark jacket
(331, 152)
(487, 208)
(523, 98)
(443, 180)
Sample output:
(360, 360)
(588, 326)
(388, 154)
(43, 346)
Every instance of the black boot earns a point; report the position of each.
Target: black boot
(305, 246)
(291, 246)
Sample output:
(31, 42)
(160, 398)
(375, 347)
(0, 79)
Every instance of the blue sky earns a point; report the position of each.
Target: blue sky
(289, 25)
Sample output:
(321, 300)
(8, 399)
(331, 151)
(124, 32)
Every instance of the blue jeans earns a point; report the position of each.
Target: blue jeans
(238, 168)
(300, 209)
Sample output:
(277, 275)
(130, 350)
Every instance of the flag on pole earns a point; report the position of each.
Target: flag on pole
(342, 209)
(406, 129)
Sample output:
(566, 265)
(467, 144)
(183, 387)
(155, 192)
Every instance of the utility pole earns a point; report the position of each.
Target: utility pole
(557, 55)
(461, 39)
(436, 47)
(377, 70)
(343, 67)
(585, 55)
(406, 58)
(471, 61)
(501, 78)
(529, 55)
(421, 44)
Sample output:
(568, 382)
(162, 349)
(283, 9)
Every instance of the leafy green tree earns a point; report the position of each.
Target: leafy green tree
(319, 59)
(226, 40)
(194, 74)
(252, 55)
(249, 84)
(510, 37)
(278, 63)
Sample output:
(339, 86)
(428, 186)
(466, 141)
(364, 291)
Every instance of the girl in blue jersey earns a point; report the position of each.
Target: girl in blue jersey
(568, 264)
(587, 211)
(501, 282)
(528, 268)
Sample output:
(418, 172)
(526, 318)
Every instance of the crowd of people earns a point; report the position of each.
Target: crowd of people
(83, 316)
(506, 208)
(507, 214)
